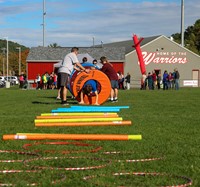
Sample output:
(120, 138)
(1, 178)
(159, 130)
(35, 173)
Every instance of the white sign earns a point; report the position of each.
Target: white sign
(164, 58)
(190, 83)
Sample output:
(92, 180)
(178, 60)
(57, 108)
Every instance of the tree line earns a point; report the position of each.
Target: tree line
(191, 37)
(13, 57)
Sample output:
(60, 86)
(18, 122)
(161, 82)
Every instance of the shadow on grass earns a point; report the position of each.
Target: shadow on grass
(51, 97)
(48, 97)
(50, 103)
(45, 103)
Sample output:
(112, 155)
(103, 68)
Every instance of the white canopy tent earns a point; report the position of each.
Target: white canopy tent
(80, 57)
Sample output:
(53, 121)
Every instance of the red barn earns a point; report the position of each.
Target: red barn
(43, 59)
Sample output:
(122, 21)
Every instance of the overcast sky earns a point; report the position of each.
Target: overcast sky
(78, 22)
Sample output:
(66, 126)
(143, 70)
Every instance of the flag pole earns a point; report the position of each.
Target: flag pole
(182, 23)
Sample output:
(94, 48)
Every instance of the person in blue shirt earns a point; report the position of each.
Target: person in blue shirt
(88, 89)
(165, 80)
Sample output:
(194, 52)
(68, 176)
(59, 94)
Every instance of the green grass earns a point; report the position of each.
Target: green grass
(167, 120)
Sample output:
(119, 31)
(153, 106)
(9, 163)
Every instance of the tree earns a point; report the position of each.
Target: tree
(54, 45)
(192, 37)
(197, 34)
(13, 57)
(177, 37)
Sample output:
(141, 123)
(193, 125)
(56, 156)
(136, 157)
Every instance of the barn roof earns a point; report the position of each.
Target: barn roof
(58, 53)
(114, 51)
(129, 43)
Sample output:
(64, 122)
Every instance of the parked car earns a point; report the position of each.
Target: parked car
(2, 81)
(12, 79)
(2, 84)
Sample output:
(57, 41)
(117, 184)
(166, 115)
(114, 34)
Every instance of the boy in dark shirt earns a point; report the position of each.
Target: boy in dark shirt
(108, 69)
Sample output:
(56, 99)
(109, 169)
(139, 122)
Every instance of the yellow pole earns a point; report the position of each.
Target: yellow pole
(76, 120)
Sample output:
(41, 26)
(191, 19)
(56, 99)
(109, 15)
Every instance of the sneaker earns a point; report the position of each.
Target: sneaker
(64, 103)
(115, 100)
(58, 98)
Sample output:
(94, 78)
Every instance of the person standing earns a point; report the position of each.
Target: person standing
(108, 69)
(38, 81)
(173, 82)
(143, 81)
(158, 81)
(165, 80)
(128, 81)
(44, 80)
(21, 81)
(150, 81)
(177, 76)
(170, 80)
(154, 78)
(54, 81)
(84, 60)
(95, 63)
(120, 80)
(64, 71)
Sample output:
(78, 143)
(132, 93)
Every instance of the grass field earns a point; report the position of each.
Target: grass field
(169, 122)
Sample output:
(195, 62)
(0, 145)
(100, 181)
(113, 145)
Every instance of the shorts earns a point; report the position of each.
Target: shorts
(114, 84)
(62, 80)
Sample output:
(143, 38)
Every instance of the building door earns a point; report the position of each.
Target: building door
(195, 77)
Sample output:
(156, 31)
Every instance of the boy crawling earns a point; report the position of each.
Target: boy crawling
(89, 89)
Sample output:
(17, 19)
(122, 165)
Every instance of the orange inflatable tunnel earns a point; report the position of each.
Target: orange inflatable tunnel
(103, 88)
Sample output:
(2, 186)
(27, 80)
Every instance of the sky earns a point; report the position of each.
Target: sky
(83, 23)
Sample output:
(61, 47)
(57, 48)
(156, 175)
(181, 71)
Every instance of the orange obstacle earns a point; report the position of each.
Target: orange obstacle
(112, 123)
(103, 81)
(116, 137)
(72, 117)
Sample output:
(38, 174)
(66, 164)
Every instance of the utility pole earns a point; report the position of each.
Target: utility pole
(19, 48)
(7, 52)
(3, 66)
(7, 60)
(93, 40)
(44, 15)
(182, 23)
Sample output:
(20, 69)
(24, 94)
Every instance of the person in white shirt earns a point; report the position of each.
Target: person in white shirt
(143, 81)
(38, 80)
(65, 70)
